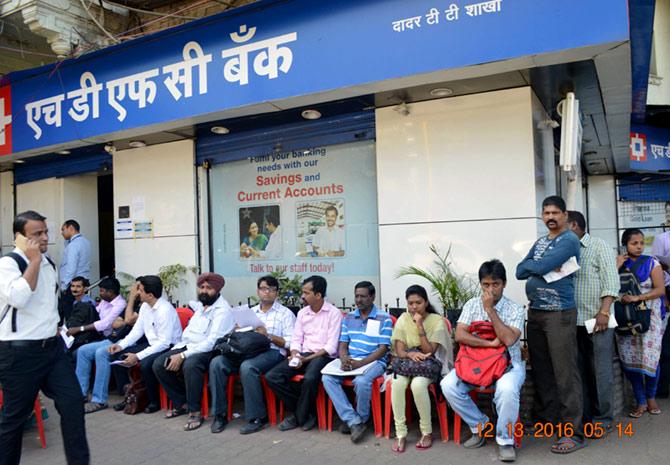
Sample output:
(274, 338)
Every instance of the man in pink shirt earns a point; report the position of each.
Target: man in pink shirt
(313, 345)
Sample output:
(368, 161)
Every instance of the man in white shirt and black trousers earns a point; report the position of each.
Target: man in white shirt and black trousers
(159, 323)
(32, 354)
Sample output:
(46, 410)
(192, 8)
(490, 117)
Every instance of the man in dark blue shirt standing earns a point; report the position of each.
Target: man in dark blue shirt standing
(552, 322)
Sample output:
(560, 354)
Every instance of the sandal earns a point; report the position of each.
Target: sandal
(425, 442)
(93, 407)
(176, 412)
(566, 445)
(398, 445)
(638, 412)
(194, 422)
(653, 410)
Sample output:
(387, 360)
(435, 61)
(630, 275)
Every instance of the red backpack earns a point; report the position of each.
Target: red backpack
(482, 366)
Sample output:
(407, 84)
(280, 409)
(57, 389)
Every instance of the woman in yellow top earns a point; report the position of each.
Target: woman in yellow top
(419, 333)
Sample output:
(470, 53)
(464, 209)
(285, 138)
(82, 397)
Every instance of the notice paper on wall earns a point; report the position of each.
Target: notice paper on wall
(123, 229)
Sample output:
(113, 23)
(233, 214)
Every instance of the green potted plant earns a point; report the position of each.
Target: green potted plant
(452, 289)
(172, 277)
(290, 290)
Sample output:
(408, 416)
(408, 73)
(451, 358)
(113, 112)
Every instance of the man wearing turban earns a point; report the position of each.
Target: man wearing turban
(212, 319)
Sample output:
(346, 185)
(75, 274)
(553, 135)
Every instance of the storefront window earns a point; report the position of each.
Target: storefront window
(308, 211)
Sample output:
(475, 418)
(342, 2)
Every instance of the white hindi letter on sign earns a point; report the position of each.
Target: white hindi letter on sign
(266, 63)
(182, 72)
(452, 13)
(433, 16)
(140, 89)
(50, 108)
(80, 105)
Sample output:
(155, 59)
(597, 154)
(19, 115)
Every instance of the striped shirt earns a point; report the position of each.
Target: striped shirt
(278, 321)
(509, 312)
(363, 340)
(596, 278)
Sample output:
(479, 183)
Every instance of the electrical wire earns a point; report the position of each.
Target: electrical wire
(18, 50)
(97, 23)
(149, 12)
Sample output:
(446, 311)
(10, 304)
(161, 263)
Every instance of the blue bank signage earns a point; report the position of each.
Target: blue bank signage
(273, 50)
(649, 148)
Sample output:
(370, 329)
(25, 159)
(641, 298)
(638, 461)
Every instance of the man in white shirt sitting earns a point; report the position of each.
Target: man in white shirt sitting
(181, 370)
(159, 323)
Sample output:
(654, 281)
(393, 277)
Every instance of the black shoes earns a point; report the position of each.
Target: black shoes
(358, 431)
(289, 422)
(152, 408)
(120, 406)
(254, 426)
(219, 423)
(344, 428)
(309, 424)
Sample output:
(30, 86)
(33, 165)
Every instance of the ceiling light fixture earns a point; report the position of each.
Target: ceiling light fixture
(220, 130)
(311, 114)
(441, 92)
(63, 152)
(137, 144)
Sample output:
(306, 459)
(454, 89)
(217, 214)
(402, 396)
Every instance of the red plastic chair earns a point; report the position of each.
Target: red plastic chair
(270, 399)
(204, 410)
(38, 417)
(376, 403)
(321, 416)
(185, 314)
(457, 418)
(441, 411)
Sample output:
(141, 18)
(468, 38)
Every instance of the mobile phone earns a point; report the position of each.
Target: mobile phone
(167, 362)
(623, 250)
(21, 242)
(294, 362)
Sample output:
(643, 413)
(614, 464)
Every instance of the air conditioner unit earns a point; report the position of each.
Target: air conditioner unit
(571, 132)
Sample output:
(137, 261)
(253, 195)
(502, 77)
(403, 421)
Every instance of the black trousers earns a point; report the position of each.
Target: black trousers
(65, 303)
(184, 386)
(23, 372)
(146, 367)
(299, 398)
(552, 346)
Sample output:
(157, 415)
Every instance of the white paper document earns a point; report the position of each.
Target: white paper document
(372, 328)
(69, 340)
(334, 368)
(567, 268)
(245, 316)
(590, 324)
(117, 362)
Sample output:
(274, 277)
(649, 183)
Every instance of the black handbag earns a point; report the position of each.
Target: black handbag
(632, 318)
(239, 346)
(429, 368)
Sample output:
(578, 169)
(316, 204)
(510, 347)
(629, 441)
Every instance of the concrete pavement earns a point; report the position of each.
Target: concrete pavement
(121, 439)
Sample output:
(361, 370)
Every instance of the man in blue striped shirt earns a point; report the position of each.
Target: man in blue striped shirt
(365, 340)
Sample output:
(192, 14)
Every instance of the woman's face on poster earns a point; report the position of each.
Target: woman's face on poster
(253, 229)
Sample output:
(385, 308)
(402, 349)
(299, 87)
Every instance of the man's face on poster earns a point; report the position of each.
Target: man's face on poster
(331, 218)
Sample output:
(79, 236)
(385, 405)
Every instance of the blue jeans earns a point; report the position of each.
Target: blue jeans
(250, 375)
(506, 399)
(86, 354)
(644, 386)
(363, 390)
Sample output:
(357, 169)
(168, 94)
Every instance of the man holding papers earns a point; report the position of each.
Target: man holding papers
(552, 323)
(596, 287)
(276, 322)
(364, 342)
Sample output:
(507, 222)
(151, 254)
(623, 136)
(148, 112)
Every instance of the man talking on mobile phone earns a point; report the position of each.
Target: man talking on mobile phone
(32, 355)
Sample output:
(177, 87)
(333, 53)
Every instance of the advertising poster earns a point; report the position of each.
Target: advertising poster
(304, 212)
